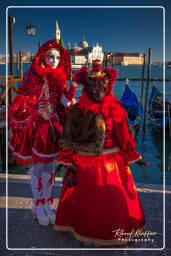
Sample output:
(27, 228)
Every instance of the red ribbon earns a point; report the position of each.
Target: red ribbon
(52, 179)
(50, 199)
(40, 201)
(39, 186)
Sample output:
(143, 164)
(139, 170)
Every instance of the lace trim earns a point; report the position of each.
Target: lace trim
(43, 155)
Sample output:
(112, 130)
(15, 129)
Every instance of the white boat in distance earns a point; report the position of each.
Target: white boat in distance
(76, 66)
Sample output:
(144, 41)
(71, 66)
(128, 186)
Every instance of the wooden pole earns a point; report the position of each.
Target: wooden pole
(87, 62)
(104, 56)
(106, 60)
(10, 90)
(147, 87)
(112, 60)
(38, 45)
(20, 64)
(142, 84)
(169, 121)
(17, 64)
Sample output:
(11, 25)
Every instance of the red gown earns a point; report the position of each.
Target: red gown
(105, 197)
(35, 139)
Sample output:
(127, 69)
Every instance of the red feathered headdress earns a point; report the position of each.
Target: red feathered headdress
(38, 70)
(38, 64)
(110, 106)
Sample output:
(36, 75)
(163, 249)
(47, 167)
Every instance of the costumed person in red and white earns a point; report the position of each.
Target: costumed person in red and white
(99, 202)
(36, 118)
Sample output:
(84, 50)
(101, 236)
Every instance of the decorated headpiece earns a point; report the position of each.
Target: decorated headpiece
(84, 76)
(96, 71)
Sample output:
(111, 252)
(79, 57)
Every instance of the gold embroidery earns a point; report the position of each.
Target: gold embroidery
(105, 152)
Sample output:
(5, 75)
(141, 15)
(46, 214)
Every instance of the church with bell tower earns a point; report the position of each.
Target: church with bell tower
(83, 53)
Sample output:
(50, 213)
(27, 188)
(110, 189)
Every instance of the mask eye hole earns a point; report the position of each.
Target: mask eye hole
(93, 90)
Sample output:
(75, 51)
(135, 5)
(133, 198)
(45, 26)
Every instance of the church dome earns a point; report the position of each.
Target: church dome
(83, 44)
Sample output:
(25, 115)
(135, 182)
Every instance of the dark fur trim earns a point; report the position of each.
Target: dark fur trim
(84, 132)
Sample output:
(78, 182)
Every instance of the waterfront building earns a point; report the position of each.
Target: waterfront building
(125, 58)
(3, 58)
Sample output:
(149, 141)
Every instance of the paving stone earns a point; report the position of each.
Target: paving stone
(25, 232)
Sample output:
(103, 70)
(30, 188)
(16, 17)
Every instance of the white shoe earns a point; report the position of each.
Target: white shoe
(41, 216)
(50, 214)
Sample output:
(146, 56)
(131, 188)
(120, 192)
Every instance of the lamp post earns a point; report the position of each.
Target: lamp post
(30, 30)
(11, 21)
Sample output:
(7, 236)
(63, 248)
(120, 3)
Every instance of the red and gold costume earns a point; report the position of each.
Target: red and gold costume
(97, 141)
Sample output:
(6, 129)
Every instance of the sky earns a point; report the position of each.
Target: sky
(115, 29)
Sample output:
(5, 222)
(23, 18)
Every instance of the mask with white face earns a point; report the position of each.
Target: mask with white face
(52, 58)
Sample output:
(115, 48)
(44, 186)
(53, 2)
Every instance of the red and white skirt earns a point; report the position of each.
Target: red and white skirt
(38, 143)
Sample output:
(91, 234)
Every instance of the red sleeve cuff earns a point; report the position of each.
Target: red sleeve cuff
(70, 93)
(66, 157)
(132, 157)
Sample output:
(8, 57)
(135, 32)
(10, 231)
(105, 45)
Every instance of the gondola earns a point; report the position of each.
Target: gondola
(157, 111)
(131, 104)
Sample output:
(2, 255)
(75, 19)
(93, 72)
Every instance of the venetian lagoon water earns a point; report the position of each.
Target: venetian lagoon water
(150, 143)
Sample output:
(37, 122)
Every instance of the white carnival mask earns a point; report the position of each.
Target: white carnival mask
(52, 58)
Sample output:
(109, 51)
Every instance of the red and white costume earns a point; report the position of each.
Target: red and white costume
(37, 114)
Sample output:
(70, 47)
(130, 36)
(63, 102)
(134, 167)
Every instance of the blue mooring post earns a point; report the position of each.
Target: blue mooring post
(148, 81)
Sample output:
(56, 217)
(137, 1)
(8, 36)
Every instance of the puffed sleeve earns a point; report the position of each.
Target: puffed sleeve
(20, 113)
(126, 141)
(68, 95)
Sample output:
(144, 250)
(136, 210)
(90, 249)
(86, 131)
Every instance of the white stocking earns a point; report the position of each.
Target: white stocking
(38, 200)
(48, 179)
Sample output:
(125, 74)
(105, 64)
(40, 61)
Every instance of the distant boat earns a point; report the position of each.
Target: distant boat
(168, 66)
(76, 66)
(131, 104)
(157, 111)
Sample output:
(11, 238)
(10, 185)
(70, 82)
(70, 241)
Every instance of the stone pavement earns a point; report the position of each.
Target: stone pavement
(24, 232)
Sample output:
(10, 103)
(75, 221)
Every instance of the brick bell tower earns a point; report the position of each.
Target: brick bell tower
(57, 33)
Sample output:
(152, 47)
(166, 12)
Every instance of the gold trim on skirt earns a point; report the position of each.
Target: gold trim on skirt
(94, 240)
